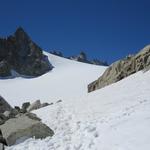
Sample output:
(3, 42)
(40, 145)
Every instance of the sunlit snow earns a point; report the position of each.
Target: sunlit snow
(116, 117)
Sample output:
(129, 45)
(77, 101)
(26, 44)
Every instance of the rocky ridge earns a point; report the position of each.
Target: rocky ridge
(122, 69)
(82, 57)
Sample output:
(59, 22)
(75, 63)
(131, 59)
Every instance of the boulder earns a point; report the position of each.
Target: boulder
(25, 106)
(34, 106)
(22, 128)
(122, 69)
(4, 105)
(17, 108)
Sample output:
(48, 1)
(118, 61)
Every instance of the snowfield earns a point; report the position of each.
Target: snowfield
(116, 117)
(68, 79)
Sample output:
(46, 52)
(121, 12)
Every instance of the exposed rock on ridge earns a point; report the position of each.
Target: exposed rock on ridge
(123, 68)
(18, 52)
(4, 106)
(83, 58)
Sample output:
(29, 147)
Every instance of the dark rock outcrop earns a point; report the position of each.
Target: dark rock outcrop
(25, 106)
(18, 52)
(123, 68)
(83, 58)
(57, 53)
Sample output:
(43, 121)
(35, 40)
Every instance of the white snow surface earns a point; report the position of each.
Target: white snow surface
(116, 117)
(68, 79)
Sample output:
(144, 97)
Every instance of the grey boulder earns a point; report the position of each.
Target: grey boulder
(25, 105)
(22, 128)
(34, 106)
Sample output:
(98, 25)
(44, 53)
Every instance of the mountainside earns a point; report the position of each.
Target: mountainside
(113, 118)
(19, 53)
(122, 69)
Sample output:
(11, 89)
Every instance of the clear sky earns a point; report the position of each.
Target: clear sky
(105, 29)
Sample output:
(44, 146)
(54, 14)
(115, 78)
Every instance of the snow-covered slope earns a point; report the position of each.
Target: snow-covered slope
(68, 79)
(116, 117)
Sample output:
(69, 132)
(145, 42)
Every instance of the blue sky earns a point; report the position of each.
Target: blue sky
(104, 29)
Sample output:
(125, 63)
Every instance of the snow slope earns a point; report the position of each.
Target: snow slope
(116, 117)
(68, 79)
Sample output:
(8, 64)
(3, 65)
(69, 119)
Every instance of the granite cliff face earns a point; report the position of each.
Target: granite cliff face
(19, 53)
(123, 68)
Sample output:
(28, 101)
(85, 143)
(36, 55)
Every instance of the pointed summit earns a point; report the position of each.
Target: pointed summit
(19, 53)
(21, 33)
(20, 29)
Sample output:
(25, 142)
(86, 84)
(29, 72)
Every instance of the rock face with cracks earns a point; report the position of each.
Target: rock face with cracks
(123, 68)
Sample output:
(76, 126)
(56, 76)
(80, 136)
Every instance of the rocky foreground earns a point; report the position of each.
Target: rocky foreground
(18, 124)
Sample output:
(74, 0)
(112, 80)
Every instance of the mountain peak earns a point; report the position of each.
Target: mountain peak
(19, 53)
(20, 29)
(20, 32)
